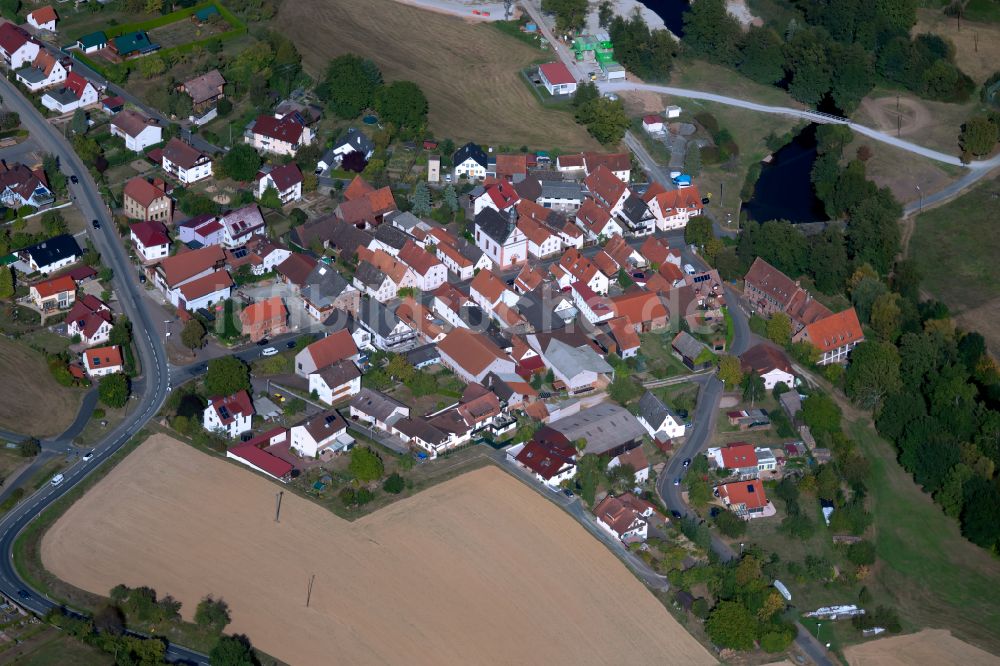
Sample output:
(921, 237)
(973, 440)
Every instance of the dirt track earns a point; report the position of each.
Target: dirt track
(930, 646)
(475, 570)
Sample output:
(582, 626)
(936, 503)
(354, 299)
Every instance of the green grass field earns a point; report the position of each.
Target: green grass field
(955, 247)
(50, 647)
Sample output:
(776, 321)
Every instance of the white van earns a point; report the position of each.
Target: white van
(57, 480)
(689, 269)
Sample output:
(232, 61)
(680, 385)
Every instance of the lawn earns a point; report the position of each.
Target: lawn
(469, 72)
(704, 76)
(660, 362)
(955, 247)
(977, 45)
(38, 406)
(51, 646)
(932, 124)
(902, 171)
(930, 572)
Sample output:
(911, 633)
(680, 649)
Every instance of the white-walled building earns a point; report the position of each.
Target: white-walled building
(336, 382)
(75, 93)
(186, 163)
(229, 415)
(323, 434)
(150, 240)
(139, 132)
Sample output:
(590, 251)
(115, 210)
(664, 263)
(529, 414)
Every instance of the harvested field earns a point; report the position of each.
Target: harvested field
(469, 72)
(466, 572)
(930, 646)
(977, 45)
(932, 124)
(40, 407)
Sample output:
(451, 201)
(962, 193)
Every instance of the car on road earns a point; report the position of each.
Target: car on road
(96, 224)
(87, 456)
(263, 342)
(675, 514)
(568, 493)
(142, 279)
(687, 463)
(57, 479)
(23, 594)
(677, 481)
(73, 179)
(269, 351)
(290, 344)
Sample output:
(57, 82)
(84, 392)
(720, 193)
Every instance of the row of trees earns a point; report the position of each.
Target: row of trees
(832, 52)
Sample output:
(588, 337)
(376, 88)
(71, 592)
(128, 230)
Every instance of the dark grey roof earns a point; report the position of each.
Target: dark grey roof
(688, 345)
(472, 315)
(471, 150)
(377, 318)
(495, 224)
(357, 139)
(391, 236)
(423, 354)
(369, 275)
(404, 220)
(468, 250)
(529, 188)
(654, 410)
(339, 319)
(304, 235)
(53, 250)
(605, 426)
(339, 373)
(323, 285)
(376, 404)
(418, 427)
(635, 210)
(32, 74)
(347, 237)
(561, 189)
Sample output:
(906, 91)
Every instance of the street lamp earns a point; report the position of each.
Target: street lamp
(818, 625)
(921, 194)
(741, 548)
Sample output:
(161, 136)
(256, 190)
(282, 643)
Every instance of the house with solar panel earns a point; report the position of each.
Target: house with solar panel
(133, 44)
(229, 415)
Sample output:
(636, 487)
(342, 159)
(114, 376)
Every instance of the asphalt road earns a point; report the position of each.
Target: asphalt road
(150, 390)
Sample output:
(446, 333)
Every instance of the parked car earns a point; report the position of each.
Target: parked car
(73, 179)
(57, 480)
(142, 279)
(269, 351)
(568, 493)
(87, 456)
(96, 224)
(263, 342)
(675, 514)
(687, 462)
(290, 344)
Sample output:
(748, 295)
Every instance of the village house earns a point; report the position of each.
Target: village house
(575, 363)
(229, 415)
(200, 231)
(91, 319)
(388, 332)
(335, 347)
(100, 361)
(43, 18)
(193, 280)
(377, 410)
(596, 221)
(279, 135)
(374, 283)
(21, 186)
(240, 225)
(321, 435)
(144, 200)
(138, 131)
(17, 46)
(512, 168)
(133, 44)
(770, 364)
(364, 206)
(294, 270)
(487, 291)
(336, 381)
(691, 351)
(51, 254)
(92, 42)
(594, 307)
(264, 319)
(456, 261)
(637, 460)
(58, 293)
(769, 291)
(562, 196)
(354, 141)
(423, 356)
(746, 499)
(285, 179)
(672, 208)
(739, 458)
(204, 90)
(625, 517)
(430, 272)
(497, 235)
(657, 251)
(262, 254)
(472, 356)
(75, 93)
(185, 163)
(620, 164)
(574, 267)
(454, 307)
(500, 196)
(834, 336)
(607, 188)
(470, 161)
(557, 78)
(389, 238)
(653, 124)
(661, 422)
(44, 71)
(543, 241)
(150, 240)
(326, 291)
(254, 454)
(549, 456)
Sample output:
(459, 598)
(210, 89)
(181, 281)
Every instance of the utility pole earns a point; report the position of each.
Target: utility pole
(309, 591)
(277, 508)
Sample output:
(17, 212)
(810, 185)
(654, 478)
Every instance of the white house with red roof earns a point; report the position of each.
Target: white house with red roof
(672, 208)
(43, 18)
(285, 179)
(499, 196)
(138, 131)
(625, 517)
(185, 162)
(76, 93)
(740, 458)
(596, 221)
(543, 240)
(834, 336)
(150, 239)
(594, 307)
(430, 271)
(229, 415)
(549, 456)
(17, 46)
(487, 291)
(100, 361)
(254, 454)
(90, 318)
(54, 293)
(574, 267)
(607, 188)
(557, 78)
(653, 124)
(746, 499)
(279, 135)
(45, 71)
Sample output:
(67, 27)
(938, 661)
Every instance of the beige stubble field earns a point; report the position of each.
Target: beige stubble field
(930, 646)
(476, 570)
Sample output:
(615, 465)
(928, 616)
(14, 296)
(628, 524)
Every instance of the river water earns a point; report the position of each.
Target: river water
(672, 13)
(784, 190)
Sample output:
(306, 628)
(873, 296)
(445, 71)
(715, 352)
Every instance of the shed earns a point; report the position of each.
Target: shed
(673, 111)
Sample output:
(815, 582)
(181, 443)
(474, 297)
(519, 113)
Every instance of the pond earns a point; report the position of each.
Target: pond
(784, 190)
(672, 13)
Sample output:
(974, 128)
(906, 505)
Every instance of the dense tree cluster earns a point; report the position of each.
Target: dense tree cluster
(353, 84)
(831, 53)
(604, 118)
(570, 14)
(649, 54)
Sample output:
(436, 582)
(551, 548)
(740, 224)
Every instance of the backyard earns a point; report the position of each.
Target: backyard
(40, 407)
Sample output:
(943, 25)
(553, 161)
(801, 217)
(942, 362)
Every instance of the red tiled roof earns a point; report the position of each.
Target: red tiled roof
(489, 285)
(264, 311)
(296, 268)
(624, 332)
(284, 176)
(835, 331)
(143, 192)
(612, 161)
(763, 358)
(357, 189)
(639, 306)
(738, 455)
(150, 234)
(44, 14)
(605, 263)
(602, 182)
(512, 165)
(183, 266)
(253, 452)
(418, 258)
(76, 83)
(472, 351)
(286, 129)
(204, 286)
(335, 347)
(547, 457)
(12, 37)
(620, 513)
(180, 153)
(103, 357)
(652, 119)
(594, 215)
(56, 285)
(556, 73)
(749, 493)
(237, 404)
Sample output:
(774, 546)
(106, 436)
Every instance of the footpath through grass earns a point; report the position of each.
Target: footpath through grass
(932, 574)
